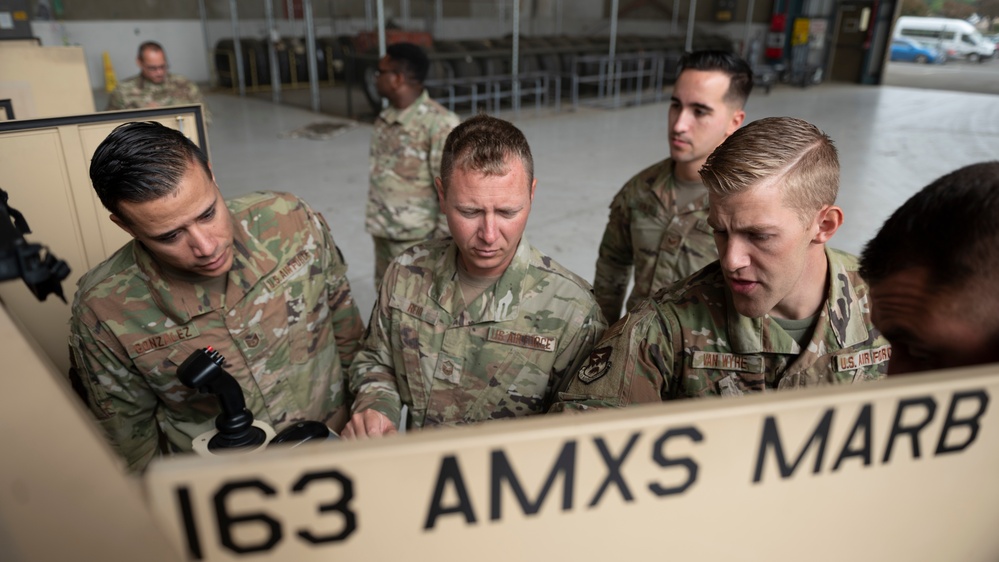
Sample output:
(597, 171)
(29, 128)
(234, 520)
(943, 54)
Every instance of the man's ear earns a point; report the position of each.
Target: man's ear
(122, 224)
(534, 185)
(737, 118)
(440, 191)
(827, 222)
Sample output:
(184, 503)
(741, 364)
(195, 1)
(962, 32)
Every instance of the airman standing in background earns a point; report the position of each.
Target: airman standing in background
(658, 221)
(406, 147)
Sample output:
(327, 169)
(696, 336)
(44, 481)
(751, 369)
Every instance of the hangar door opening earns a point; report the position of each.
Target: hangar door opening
(852, 23)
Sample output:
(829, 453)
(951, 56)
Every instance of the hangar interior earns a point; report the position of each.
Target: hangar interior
(243, 44)
(891, 140)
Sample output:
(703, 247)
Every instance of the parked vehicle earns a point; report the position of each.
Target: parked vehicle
(907, 50)
(948, 35)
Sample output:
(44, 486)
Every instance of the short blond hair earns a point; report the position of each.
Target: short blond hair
(784, 150)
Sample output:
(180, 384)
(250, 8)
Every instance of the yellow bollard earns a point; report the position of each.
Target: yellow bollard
(110, 82)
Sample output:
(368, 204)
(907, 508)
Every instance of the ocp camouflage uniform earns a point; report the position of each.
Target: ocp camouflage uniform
(286, 324)
(406, 148)
(647, 231)
(138, 93)
(690, 342)
(499, 357)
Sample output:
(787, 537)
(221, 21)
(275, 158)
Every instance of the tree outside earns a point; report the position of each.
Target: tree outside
(916, 8)
(989, 10)
(957, 9)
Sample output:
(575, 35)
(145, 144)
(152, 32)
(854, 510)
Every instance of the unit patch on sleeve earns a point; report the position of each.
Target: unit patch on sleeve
(597, 364)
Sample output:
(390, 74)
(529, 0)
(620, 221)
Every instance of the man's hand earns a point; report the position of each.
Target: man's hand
(368, 423)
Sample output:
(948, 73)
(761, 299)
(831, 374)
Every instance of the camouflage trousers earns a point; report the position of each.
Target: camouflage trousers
(386, 250)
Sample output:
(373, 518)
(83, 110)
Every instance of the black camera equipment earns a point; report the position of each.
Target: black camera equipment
(41, 271)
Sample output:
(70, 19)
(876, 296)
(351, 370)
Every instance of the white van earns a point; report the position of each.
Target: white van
(957, 38)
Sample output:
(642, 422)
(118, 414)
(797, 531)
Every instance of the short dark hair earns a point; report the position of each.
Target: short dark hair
(141, 162)
(949, 228)
(410, 60)
(151, 46)
(738, 71)
(483, 144)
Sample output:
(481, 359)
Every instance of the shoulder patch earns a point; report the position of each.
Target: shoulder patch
(597, 365)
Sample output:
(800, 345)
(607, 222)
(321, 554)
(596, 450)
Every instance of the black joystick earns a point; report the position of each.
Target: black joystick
(203, 371)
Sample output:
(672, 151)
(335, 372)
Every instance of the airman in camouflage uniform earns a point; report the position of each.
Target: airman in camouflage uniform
(498, 357)
(657, 220)
(406, 147)
(282, 315)
(480, 326)
(154, 86)
(649, 229)
(690, 342)
(138, 93)
(778, 310)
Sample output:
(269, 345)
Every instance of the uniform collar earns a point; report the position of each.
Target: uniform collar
(841, 321)
(662, 187)
(183, 300)
(403, 116)
(499, 303)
